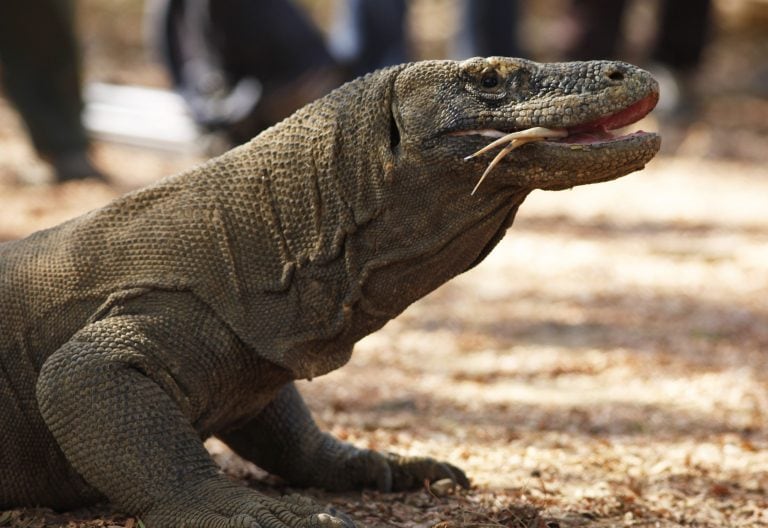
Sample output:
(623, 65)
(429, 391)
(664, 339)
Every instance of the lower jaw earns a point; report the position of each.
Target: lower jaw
(598, 138)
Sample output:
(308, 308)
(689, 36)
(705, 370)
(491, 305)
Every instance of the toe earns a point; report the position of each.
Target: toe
(314, 515)
(242, 521)
(348, 523)
(325, 520)
(457, 475)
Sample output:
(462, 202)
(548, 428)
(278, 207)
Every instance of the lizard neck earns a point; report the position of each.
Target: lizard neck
(321, 174)
(414, 254)
(288, 207)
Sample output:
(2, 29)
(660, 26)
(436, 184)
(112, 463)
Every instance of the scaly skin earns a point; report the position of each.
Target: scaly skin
(186, 309)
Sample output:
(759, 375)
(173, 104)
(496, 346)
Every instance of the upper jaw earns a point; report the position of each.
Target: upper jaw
(600, 129)
(593, 131)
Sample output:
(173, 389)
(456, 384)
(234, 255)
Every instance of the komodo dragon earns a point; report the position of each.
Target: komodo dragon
(186, 309)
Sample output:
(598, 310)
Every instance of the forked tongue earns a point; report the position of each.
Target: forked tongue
(529, 134)
(513, 140)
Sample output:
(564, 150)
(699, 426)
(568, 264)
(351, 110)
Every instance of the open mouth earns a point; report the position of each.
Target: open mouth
(598, 131)
(601, 129)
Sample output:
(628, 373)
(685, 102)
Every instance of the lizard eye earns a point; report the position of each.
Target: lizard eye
(489, 78)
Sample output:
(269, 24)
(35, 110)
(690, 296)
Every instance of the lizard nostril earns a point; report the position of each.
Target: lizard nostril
(615, 75)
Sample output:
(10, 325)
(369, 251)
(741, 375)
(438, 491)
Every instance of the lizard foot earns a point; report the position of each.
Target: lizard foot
(387, 472)
(411, 472)
(238, 507)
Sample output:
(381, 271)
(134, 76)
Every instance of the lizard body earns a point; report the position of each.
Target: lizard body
(186, 309)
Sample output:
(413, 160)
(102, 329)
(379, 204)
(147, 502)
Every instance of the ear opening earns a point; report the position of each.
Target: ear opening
(394, 130)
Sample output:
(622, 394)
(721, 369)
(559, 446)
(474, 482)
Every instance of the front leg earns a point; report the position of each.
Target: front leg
(284, 440)
(117, 416)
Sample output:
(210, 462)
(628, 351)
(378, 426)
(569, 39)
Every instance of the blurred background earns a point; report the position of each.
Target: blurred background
(186, 77)
(608, 358)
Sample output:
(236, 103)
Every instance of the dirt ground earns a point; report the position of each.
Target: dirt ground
(605, 366)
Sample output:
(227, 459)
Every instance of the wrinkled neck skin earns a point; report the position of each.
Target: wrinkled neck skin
(429, 230)
(425, 227)
(367, 222)
(395, 209)
(363, 201)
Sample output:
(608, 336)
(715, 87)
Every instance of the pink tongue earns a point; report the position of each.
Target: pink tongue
(625, 117)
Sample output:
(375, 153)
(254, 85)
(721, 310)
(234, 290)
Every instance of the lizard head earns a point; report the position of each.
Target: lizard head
(393, 145)
(562, 115)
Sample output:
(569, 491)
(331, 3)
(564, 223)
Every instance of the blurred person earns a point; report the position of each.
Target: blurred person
(682, 33)
(40, 70)
(489, 27)
(371, 34)
(241, 65)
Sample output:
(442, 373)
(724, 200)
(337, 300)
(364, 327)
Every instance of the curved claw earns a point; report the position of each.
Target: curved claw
(329, 520)
(348, 523)
(457, 475)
